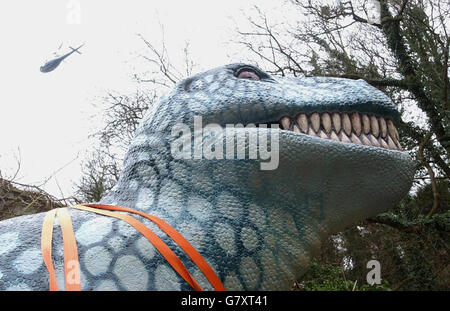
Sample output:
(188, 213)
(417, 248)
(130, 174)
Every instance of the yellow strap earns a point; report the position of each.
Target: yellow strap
(71, 263)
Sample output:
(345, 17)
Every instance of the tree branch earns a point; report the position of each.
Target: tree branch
(403, 84)
(440, 222)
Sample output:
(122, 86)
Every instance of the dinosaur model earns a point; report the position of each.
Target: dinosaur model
(339, 162)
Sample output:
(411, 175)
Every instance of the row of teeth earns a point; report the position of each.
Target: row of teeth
(351, 128)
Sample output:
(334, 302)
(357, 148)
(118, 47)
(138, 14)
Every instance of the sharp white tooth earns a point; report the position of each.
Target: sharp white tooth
(346, 124)
(356, 123)
(374, 141)
(336, 121)
(344, 138)
(333, 136)
(374, 126)
(383, 143)
(285, 123)
(383, 127)
(365, 140)
(296, 128)
(392, 130)
(315, 121)
(355, 139)
(302, 121)
(323, 135)
(311, 132)
(326, 122)
(391, 143)
(397, 144)
(366, 124)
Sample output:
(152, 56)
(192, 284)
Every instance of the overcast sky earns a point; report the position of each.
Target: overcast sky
(48, 116)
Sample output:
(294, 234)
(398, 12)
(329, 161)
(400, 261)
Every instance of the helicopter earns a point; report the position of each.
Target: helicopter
(54, 63)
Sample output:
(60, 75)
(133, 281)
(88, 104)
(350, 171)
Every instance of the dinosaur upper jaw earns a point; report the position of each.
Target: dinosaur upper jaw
(357, 128)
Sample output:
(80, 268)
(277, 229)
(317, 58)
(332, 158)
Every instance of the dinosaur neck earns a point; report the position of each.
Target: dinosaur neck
(244, 221)
(257, 228)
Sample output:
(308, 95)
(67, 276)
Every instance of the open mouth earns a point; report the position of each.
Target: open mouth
(354, 128)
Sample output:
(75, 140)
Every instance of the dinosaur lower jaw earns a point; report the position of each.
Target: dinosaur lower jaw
(350, 128)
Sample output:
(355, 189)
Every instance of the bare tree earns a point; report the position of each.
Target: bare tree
(122, 114)
(162, 70)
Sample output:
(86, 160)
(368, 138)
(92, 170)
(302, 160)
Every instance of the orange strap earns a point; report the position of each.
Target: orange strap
(178, 238)
(71, 263)
(71, 256)
(170, 256)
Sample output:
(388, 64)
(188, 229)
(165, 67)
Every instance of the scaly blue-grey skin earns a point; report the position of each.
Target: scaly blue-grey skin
(257, 228)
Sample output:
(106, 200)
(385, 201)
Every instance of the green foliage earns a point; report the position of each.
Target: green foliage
(413, 250)
(384, 286)
(328, 277)
(421, 202)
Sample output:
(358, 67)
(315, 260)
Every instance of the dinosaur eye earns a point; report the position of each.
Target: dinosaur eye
(248, 74)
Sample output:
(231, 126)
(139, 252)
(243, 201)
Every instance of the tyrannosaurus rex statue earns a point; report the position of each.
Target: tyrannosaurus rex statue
(338, 161)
